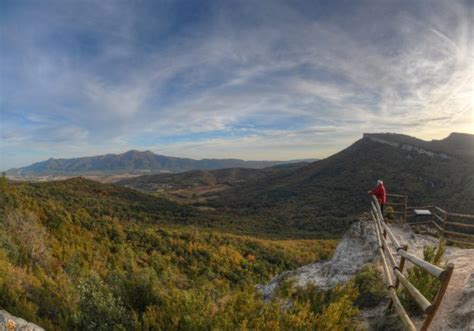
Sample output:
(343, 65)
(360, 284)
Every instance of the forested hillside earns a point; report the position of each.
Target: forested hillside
(84, 255)
(323, 197)
(328, 191)
(197, 187)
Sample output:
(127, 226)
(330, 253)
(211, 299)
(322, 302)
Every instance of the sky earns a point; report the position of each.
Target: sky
(246, 79)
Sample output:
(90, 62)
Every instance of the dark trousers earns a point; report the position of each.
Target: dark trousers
(381, 207)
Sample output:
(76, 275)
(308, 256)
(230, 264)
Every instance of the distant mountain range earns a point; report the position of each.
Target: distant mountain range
(133, 162)
(323, 196)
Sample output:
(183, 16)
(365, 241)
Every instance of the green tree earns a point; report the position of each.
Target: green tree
(422, 280)
(99, 309)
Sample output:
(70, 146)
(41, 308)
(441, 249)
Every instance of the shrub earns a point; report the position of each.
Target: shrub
(422, 280)
(371, 287)
(340, 310)
(330, 309)
(389, 213)
(99, 308)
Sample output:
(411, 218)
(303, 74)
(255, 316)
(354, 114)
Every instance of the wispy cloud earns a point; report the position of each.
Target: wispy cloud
(258, 79)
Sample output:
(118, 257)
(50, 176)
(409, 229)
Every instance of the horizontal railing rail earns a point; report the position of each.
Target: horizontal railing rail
(455, 228)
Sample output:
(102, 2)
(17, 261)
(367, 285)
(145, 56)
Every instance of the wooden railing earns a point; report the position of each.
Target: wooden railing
(394, 271)
(455, 228)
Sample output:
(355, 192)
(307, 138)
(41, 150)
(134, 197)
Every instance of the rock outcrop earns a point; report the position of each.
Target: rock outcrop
(357, 247)
(405, 146)
(12, 323)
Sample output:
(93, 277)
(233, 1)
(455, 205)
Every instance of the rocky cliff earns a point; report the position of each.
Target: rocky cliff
(358, 247)
(409, 147)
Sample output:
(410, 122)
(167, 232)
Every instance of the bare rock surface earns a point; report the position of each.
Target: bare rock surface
(357, 247)
(462, 312)
(12, 323)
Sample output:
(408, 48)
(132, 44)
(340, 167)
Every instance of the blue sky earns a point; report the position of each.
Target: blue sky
(247, 79)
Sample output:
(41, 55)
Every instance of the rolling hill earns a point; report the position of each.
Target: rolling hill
(315, 195)
(81, 255)
(198, 186)
(324, 196)
(131, 162)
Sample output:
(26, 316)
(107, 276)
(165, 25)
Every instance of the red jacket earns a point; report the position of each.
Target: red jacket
(380, 194)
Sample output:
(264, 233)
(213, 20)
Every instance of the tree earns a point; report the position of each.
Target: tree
(99, 308)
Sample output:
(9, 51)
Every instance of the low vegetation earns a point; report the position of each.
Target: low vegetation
(95, 259)
(370, 285)
(422, 280)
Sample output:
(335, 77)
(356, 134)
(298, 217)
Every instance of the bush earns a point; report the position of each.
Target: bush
(422, 280)
(331, 309)
(371, 287)
(99, 308)
(339, 311)
(389, 213)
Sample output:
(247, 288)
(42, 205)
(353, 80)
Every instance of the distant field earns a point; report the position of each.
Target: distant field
(195, 195)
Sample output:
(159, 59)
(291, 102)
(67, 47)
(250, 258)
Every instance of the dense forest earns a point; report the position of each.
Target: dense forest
(77, 254)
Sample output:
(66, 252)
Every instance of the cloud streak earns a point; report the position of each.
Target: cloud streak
(255, 80)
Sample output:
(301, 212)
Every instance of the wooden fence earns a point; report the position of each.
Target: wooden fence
(393, 271)
(455, 228)
(397, 206)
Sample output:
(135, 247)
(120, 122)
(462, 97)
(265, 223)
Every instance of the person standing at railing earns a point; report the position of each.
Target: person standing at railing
(380, 194)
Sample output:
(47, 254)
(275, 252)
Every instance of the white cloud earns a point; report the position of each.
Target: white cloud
(304, 86)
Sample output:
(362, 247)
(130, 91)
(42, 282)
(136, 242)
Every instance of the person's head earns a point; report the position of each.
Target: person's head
(379, 182)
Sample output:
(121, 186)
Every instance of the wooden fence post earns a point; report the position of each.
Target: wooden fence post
(439, 296)
(401, 265)
(445, 219)
(406, 206)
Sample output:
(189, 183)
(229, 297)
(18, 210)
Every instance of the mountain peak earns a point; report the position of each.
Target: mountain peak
(132, 161)
(460, 136)
(134, 151)
(457, 143)
(139, 152)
